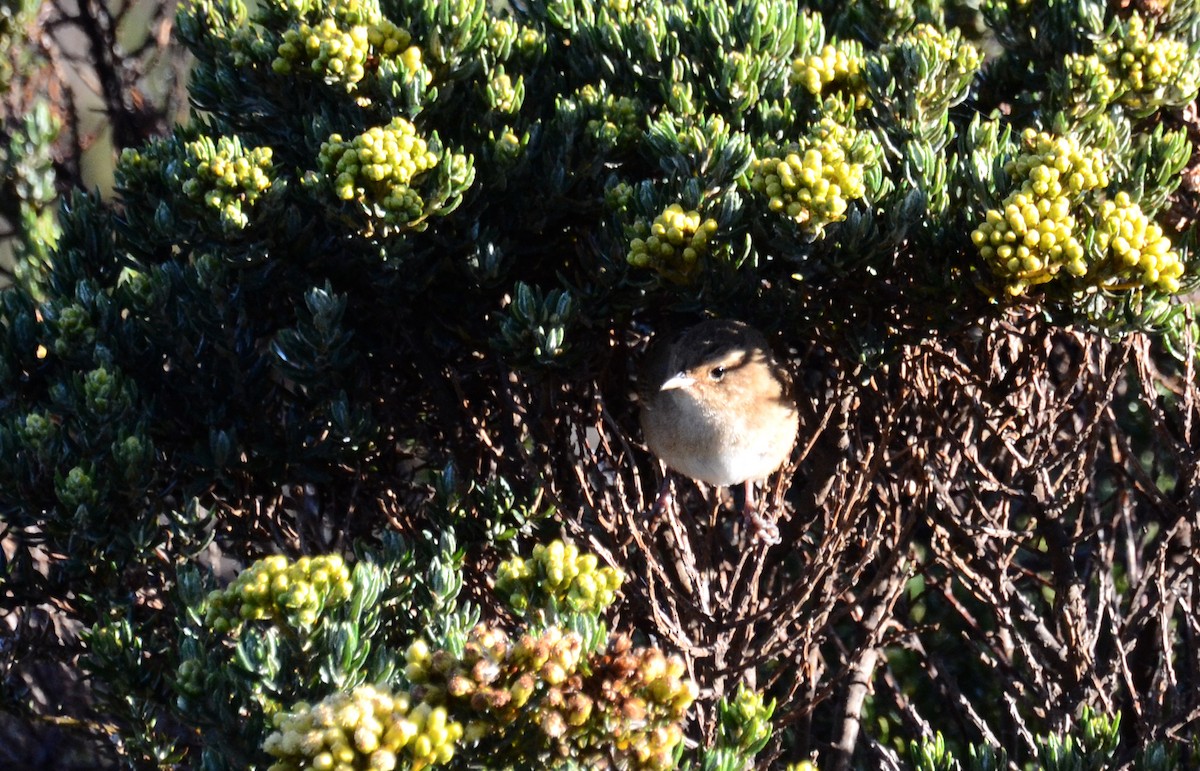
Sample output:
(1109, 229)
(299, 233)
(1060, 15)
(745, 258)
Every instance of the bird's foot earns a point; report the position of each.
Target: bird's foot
(761, 529)
(665, 499)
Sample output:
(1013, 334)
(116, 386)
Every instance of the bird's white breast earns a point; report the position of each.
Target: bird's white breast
(717, 450)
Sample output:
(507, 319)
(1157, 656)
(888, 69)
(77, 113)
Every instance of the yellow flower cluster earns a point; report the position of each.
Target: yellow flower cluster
(341, 53)
(1040, 229)
(650, 693)
(226, 177)
(629, 700)
(558, 575)
(1035, 235)
(839, 65)
(377, 168)
(495, 679)
(368, 728)
(673, 244)
(814, 182)
(1149, 71)
(274, 587)
(1135, 249)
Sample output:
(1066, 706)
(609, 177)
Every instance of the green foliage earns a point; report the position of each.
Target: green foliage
(1091, 745)
(535, 326)
(308, 671)
(1091, 748)
(986, 758)
(931, 755)
(743, 729)
(27, 191)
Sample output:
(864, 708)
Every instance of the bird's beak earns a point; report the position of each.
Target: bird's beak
(679, 380)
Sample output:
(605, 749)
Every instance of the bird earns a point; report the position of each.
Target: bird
(718, 407)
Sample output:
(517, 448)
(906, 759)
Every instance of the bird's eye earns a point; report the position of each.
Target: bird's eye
(717, 373)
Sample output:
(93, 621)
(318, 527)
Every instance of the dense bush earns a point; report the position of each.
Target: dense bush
(364, 331)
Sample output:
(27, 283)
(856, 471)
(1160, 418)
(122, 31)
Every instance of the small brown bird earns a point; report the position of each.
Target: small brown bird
(718, 407)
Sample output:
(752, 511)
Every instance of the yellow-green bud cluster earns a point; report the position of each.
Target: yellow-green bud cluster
(227, 177)
(1034, 235)
(73, 329)
(1149, 70)
(1134, 249)
(839, 65)
(348, 12)
(75, 489)
(368, 728)
(618, 120)
(276, 588)
(946, 47)
(507, 36)
(37, 429)
(619, 196)
(502, 35)
(377, 168)
(1069, 168)
(814, 181)
(746, 721)
(342, 54)
(503, 94)
(558, 574)
(1030, 240)
(508, 147)
(1089, 81)
(134, 162)
(334, 54)
(940, 64)
(190, 677)
(673, 244)
(627, 699)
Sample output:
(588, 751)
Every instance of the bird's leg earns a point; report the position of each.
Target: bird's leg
(760, 528)
(665, 496)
